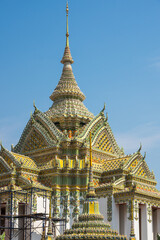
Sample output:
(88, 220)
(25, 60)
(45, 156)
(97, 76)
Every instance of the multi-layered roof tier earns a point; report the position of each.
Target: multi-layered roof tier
(67, 97)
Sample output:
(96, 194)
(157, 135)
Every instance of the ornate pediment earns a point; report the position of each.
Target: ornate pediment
(137, 165)
(102, 136)
(39, 133)
(34, 141)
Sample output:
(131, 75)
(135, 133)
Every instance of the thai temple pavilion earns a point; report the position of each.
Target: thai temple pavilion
(48, 172)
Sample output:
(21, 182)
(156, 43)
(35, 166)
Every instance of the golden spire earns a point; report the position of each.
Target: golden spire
(91, 191)
(90, 140)
(67, 31)
(67, 54)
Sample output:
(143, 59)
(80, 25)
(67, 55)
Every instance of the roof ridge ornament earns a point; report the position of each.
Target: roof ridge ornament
(35, 108)
(103, 108)
(140, 148)
(144, 156)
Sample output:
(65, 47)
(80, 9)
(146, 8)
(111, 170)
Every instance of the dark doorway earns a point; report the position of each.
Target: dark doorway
(2, 221)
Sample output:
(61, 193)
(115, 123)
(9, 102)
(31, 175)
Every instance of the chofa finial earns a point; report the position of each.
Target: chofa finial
(103, 108)
(144, 156)
(34, 105)
(140, 148)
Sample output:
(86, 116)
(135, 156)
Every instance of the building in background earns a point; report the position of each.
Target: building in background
(51, 160)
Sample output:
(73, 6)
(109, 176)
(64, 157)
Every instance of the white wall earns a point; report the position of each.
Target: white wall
(103, 207)
(115, 215)
(40, 209)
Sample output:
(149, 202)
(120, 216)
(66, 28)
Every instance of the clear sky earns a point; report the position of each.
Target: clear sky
(116, 48)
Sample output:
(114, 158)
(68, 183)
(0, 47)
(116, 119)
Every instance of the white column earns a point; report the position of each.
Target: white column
(136, 228)
(144, 222)
(103, 207)
(149, 222)
(115, 215)
(136, 220)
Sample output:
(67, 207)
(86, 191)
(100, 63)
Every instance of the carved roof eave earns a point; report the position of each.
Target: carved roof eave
(139, 179)
(28, 185)
(107, 189)
(23, 136)
(51, 127)
(5, 164)
(44, 150)
(16, 163)
(137, 195)
(142, 162)
(113, 172)
(122, 194)
(89, 126)
(104, 125)
(12, 158)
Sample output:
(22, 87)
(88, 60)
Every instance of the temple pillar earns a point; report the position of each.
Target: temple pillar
(76, 204)
(136, 220)
(66, 208)
(149, 222)
(56, 209)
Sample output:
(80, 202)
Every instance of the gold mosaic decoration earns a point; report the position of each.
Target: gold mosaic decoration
(103, 143)
(35, 141)
(114, 163)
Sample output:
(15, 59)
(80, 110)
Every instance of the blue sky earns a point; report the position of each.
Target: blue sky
(116, 48)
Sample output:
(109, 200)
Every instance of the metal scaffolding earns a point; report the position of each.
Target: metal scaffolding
(21, 225)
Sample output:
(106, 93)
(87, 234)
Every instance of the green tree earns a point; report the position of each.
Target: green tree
(2, 237)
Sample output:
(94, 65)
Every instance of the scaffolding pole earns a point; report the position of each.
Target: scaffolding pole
(13, 219)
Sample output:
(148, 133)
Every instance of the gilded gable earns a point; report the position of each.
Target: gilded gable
(103, 143)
